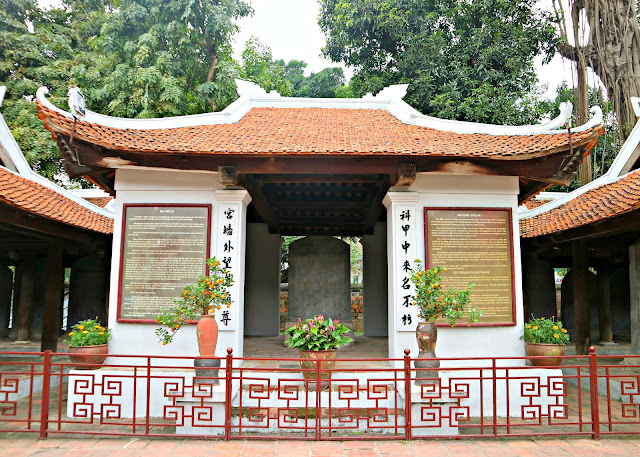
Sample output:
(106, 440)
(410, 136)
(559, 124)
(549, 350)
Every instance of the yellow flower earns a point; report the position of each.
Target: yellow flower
(85, 331)
(70, 333)
(528, 325)
(80, 327)
(555, 335)
(97, 326)
(100, 333)
(535, 327)
(555, 327)
(564, 330)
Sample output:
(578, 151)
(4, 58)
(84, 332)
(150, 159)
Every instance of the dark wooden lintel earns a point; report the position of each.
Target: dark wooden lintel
(260, 203)
(405, 175)
(228, 176)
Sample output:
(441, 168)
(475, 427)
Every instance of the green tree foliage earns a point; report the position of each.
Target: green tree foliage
(167, 57)
(258, 66)
(39, 48)
(463, 60)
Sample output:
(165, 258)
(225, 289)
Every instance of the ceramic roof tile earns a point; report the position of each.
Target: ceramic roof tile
(600, 203)
(271, 131)
(99, 201)
(42, 201)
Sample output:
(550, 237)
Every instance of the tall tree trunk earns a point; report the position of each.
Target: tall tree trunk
(212, 69)
(612, 52)
(581, 95)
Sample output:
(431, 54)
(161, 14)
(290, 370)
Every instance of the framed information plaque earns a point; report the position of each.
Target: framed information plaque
(475, 245)
(163, 249)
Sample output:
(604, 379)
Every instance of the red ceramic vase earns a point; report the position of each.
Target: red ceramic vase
(207, 335)
(552, 353)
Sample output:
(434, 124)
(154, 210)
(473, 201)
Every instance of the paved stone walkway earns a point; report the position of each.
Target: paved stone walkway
(120, 447)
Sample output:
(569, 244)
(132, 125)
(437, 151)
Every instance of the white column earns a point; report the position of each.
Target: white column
(228, 246)
(403, 225)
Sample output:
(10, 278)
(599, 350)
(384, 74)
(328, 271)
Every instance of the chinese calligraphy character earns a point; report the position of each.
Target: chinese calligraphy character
(406, 266)
(406, 299)
(405, 283)
(229, 213)
(406, 319)
(227, 246)
(227, 230)
(405, 215)
(225, 318)
(226, 261)
(405, 228)
(405, 246)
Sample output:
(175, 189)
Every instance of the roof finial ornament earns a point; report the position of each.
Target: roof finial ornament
(77, 103)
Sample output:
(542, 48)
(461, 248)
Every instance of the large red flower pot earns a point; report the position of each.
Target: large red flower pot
(207, 367)
(552, 354)
(309, 365)
(85, 356)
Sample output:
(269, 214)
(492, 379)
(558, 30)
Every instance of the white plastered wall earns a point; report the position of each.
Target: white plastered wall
(148, 186)
(447, 190)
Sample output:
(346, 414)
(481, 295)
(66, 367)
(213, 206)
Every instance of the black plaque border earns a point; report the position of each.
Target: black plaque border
(511, 253)
(122, 238)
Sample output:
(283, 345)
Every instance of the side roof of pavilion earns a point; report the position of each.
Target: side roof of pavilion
(601, 202)
(22, 192)
(266, 133)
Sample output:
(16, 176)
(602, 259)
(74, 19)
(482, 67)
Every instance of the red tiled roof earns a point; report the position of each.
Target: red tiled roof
(534, 203)
(37, 199)
(99, 201)
(600, 203)
(289, 131)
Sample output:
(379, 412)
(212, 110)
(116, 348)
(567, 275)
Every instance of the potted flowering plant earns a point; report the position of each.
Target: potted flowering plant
(545, 337)
(199, 302)
(433, 302)
(88, 343)
(317, 339)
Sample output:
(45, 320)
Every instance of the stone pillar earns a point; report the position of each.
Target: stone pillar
(605, 317)
(375, 281)
(319, 279)
(404, 222)
(262, 283)
(539, 287)
(634, 285)
(27, 294)
(54, 291)
(6, 293)
(229, 237)
(87, 290)
(581, 310)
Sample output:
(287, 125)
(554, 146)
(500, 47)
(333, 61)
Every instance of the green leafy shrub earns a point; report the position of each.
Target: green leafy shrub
(317, 334)
(548, 331)
(89, 332)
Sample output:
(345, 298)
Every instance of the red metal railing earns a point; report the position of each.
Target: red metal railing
(358, 399)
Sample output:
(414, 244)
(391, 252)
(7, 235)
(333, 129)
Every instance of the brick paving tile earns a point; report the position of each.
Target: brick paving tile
(250, 450)
(362, 453)
(318, 449)
(498, 450)
(78, 444)
(358, 444)
(163, 445)
(527, 452)
(224, 453)
(227, 446)
(49, 452)
(156, 452)
(522, 443)
(393, 447)
(17, 452)
(48, 443)
(458, 448)
(430, 449)
(191, 449)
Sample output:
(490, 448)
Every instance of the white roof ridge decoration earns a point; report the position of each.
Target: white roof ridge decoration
(388, 99)
(620, 168)
(15, 157)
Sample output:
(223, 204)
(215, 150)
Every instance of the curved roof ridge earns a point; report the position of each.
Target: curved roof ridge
(389, 99)
(620, 168)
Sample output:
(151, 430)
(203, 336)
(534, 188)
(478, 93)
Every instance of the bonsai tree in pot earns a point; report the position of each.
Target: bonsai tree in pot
(435, 302)
(318, 339)
(199, 302)
(545, 337)
(88, 343)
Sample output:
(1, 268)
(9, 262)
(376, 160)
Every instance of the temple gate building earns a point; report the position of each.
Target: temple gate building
(229, 184)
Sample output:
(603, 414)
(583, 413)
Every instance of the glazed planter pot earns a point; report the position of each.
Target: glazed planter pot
(83, 355)
(552, 353)
(207, 335)
(427, 337)
(310, 359)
